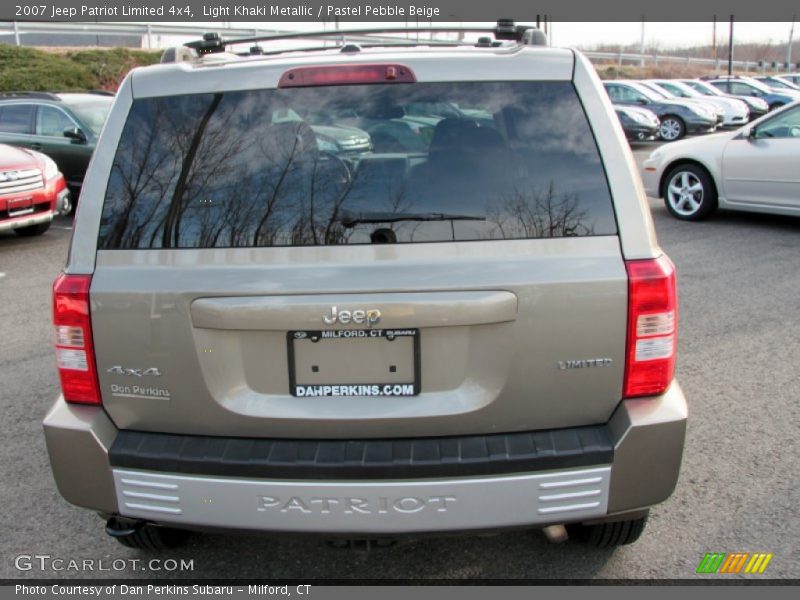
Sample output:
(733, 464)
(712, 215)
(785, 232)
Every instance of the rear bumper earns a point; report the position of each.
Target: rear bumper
(627, 465)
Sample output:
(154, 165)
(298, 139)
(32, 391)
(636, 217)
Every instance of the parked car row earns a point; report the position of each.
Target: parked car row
(696, 106)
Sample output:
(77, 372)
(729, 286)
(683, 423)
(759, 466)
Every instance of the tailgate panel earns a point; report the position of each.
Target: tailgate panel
(496, 321)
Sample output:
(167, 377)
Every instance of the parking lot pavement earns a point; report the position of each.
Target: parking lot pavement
(739, 349)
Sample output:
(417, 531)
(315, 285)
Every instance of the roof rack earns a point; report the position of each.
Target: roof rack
(345, 48)
(36, 95)
(505, 30)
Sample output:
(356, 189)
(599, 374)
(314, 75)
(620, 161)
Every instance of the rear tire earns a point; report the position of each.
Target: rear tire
(32, 230)
(689, 193)
(672, 128)
(153, 538)
(608, 535)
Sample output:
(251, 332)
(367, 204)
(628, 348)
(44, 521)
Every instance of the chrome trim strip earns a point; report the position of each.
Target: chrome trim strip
(150, 484)
(571, 483)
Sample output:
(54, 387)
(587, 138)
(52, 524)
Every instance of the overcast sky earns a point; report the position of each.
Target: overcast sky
(667, 34)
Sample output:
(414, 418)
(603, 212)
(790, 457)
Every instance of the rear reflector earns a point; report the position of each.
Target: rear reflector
(346, 75)
(652, 327)
(73, 339)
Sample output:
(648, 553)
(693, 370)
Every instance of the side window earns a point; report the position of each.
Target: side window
(619, 93)
(786, 125)
(614, 93)
(674, 90)
(16, 118)
(722, 86)
(638, 97)
(742, 89)
(633, 96)
(52, 122)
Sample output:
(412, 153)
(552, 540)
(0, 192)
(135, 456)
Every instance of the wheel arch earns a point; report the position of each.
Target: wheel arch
(680, 162)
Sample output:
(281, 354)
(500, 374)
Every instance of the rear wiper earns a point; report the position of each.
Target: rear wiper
(351, 220)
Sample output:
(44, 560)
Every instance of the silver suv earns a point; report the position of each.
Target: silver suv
(469, 327)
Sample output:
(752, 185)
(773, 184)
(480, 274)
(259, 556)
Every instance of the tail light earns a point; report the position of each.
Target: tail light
(652, 327)
(73, 339)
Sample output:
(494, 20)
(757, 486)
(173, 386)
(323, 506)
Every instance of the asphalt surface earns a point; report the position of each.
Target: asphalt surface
(739, 352)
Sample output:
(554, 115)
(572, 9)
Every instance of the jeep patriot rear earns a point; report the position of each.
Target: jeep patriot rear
(465, 325)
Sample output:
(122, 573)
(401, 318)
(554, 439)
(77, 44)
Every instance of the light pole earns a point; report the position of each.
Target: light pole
(641, 45)
(730, 49)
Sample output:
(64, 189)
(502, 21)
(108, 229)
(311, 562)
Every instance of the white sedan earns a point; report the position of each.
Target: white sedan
(755, 168)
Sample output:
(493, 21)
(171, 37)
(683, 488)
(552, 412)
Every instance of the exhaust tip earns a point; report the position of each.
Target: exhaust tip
(556, 534)
(118, 527)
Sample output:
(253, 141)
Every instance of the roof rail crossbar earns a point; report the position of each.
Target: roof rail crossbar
(403, 44)
(505, 30)
(39, 95)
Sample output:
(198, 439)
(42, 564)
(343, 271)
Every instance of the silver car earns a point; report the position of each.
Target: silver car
(752, 169)
(474, 334)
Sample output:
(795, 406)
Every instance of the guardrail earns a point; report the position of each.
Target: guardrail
(14, 32)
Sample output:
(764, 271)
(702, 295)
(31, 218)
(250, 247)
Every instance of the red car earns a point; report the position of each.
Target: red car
(32, 191)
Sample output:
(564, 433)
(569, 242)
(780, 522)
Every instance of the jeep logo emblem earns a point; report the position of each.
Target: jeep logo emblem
(360, 317)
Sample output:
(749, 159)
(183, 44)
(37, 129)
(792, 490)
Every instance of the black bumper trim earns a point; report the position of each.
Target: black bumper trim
(364, 459)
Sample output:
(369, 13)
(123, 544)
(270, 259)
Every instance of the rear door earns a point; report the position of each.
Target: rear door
(250, 284)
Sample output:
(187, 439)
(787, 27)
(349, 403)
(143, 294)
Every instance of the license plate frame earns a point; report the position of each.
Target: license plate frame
(19, 207)
(364, 388)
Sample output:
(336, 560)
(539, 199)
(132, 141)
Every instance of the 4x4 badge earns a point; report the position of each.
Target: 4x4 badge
(119, 370)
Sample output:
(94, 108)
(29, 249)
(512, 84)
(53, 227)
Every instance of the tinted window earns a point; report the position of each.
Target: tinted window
(51, 121)
(255, 168)
(785, 125)
(722, 85)
(16, 118)
(743, 89)
(625, 95)
(93, 114)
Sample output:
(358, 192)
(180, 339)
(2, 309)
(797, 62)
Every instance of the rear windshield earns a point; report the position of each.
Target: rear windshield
(362, 164)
